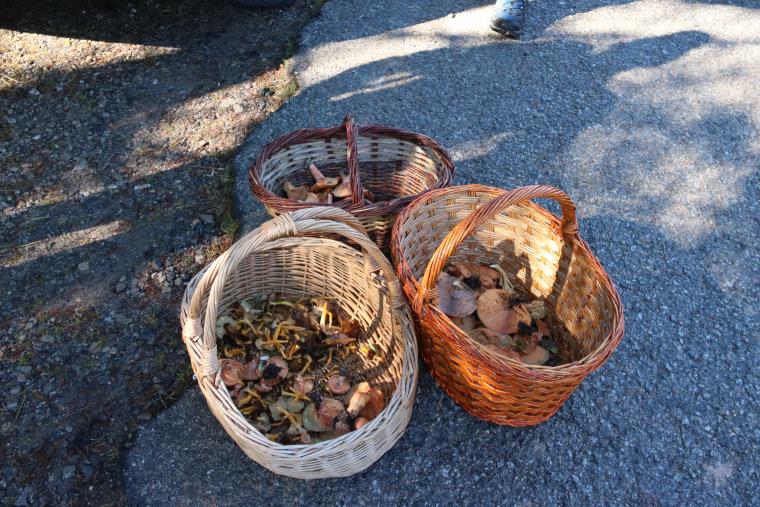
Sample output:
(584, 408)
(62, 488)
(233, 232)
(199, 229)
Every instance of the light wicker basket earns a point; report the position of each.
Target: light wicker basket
(276, 259)
(395, 165)
(544, 258)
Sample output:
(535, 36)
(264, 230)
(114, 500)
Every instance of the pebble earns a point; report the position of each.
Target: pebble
(237, 108)
(48, 338)
(83, 266)
(68, 471)
(120, 287)
(208, 219)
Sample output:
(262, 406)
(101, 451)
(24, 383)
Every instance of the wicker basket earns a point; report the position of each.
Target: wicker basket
(396, 166)
(275, 259)
(543, 258)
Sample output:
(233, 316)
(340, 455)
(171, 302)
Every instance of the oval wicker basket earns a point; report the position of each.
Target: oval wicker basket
(275, 259)
(544, 258)
(395, 165)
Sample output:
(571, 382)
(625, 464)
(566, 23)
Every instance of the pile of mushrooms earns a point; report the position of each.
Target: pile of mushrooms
(324, 190)
(483, 303)
(284, 365)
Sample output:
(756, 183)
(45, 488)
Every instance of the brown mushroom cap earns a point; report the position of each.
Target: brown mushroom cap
(303, 385)
(537, 357)
(230, 371)
(495, 313)
(358, 398)
(455, 299)
(337, 384)
(250, 370)
(375, 405)
(329, 410)
(360, 421)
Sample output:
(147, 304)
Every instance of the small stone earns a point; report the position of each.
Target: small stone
(208, 219)
(47, 339)
(237, 108)
(87, 471)
(68, 472)
(120, 287)
(22, 500)
(199, 259)
(83, 266)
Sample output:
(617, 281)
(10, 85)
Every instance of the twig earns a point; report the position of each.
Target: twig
(18, 412)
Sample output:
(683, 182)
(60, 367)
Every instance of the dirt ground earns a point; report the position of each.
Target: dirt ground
(118, 121)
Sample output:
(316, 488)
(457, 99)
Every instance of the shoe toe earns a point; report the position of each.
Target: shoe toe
(506, 25)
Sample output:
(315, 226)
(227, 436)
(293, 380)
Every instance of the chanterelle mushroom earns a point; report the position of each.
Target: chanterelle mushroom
(495, 312)
(455, 299)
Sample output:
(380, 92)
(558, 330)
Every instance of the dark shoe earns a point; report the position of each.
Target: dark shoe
(508, 17)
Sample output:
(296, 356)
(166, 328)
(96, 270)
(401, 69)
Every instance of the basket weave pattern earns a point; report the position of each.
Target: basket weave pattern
(393, 164)
(277, 259)
(544, 258)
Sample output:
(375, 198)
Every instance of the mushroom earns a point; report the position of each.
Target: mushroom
(311, 197)
(537, 309)
(311, 420)
(298, 193)
(303, 385)
(341, 428)
(543, 327)
(262, 387)
(455, 299)
(537, 357)
(344, 189)
(250, 370)
(476, 275)
(375, 405)
(358, 398)
(275, 370)
(231, 370)
(495, 313)
(262, 423)
(322, 182)
(466, 323)
(338, 384)
(222, 323)
(489, 337)
(360, 421)
(329, 410)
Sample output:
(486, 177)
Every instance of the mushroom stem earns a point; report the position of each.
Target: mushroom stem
(505, 283)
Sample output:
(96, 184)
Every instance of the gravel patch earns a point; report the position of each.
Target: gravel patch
(648, 114)
(118, 121)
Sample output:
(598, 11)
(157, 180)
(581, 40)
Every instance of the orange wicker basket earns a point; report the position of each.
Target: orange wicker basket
(395, 165)
(544, 258)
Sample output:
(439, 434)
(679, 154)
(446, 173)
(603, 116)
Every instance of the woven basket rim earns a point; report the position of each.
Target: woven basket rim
(371, 131)
(590, 360)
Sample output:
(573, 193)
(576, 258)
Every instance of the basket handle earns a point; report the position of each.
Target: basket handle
(426, 289)
(352, 160)
(322, 220)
